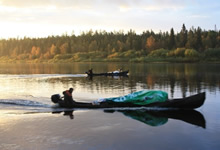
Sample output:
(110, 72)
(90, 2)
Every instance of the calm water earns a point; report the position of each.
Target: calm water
(28, 119)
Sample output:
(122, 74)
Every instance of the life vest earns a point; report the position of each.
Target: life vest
(68, 93)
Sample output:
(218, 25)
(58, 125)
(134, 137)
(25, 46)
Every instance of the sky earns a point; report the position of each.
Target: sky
(43, 18)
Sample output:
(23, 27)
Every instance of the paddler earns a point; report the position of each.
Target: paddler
(68, 98)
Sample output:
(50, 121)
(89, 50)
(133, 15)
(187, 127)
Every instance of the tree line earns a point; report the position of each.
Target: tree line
(194, 42)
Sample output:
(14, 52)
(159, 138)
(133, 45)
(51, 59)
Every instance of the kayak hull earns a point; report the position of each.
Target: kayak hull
(123, 73)
(191, 102)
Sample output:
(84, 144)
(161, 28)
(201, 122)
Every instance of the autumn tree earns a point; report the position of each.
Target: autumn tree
(35, 52)
(150, 43)
(64, 48)
(54, 50)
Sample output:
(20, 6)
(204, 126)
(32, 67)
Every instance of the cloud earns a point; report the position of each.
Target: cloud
(23, 3)
(94, 3)
(106, 5)
(104, 14)
(198, 16)
(47, 3)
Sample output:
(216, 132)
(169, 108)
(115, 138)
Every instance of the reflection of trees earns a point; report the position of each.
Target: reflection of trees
(191, 78)
(187, 77)
(43, 68)
(158, 118)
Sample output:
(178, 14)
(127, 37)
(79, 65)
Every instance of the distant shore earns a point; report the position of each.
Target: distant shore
(142, 60)
(188, 46)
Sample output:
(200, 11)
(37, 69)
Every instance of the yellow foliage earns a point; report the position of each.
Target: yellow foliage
(113, 55)
(150, 43)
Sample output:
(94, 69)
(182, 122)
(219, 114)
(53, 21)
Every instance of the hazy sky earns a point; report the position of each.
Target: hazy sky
(41, 18)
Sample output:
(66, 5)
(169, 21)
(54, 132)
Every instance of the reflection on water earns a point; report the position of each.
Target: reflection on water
(28, 87)
(65, 113)
(154, 117)
(176, 79)
(157, 118)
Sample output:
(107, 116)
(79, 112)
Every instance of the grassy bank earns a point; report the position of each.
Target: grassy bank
(159, 55)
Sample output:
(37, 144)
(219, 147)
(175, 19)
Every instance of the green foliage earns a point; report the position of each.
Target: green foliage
(63, 56)
(183, 36)
(161, 53)
(179, 52)
(212, 53)
(80, 56)
(129, 54)
(191, 53)
(172, 42)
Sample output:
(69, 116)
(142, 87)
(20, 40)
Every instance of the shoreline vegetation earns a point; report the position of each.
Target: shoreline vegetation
(193, 45)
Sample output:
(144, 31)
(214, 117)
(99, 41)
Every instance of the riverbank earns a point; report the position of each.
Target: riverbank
(179, 55)
(132, 60)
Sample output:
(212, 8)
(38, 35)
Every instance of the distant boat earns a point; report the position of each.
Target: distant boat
(114, 73)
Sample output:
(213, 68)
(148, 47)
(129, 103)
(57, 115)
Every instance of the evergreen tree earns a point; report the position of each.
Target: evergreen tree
(172, 42)
(191, 40)
(198, 39)
(183, 36)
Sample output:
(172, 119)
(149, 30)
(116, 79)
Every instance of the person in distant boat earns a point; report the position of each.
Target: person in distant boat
(68, 98)
(90, 71)
(117, 71)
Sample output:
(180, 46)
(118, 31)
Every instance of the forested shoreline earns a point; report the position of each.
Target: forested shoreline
(193, 45)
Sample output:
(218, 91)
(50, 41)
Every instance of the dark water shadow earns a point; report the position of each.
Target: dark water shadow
(154, 117)
(68, 113)
(158, 118)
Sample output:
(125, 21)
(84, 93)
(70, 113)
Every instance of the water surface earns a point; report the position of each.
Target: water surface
(28, 119)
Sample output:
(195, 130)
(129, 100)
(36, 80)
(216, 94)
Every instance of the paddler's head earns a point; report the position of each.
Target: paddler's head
(71, 90)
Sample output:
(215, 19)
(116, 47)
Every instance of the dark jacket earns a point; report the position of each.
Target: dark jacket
(68, 99)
